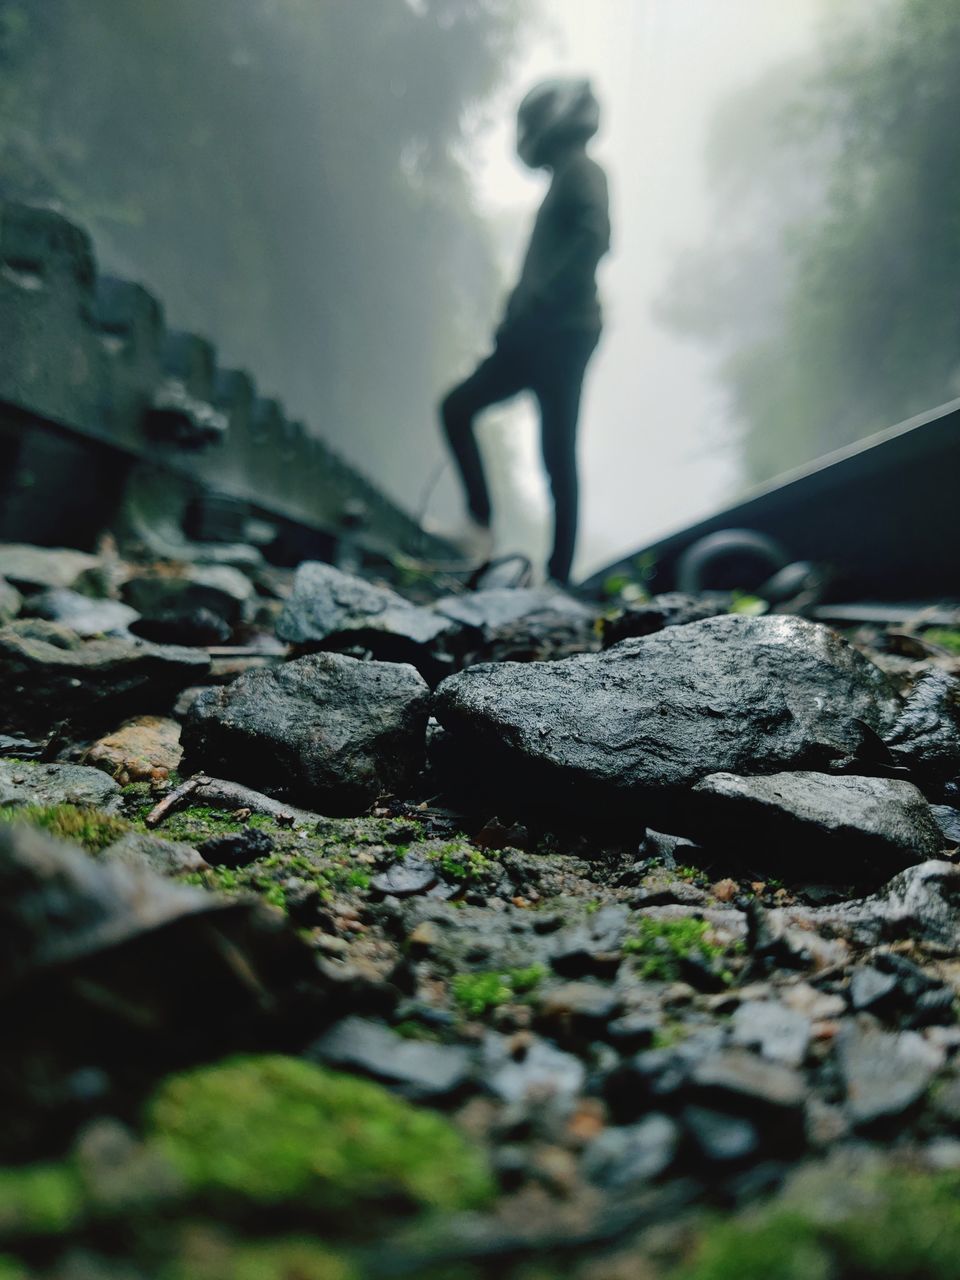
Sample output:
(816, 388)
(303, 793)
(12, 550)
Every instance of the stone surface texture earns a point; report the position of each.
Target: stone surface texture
(327, 731)
(649, 717)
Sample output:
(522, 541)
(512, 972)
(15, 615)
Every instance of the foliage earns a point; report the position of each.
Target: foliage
(901, 1224)
(39, 1199)
(213, 1258)
(478, 993)
(89, 828)
(945, 637)
(280, 1131)
(660, 945)
(831, 298)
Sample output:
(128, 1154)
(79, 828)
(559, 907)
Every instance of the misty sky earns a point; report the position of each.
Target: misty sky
(653, 437)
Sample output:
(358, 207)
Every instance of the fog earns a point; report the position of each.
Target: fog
(657, 443)
(328, 191)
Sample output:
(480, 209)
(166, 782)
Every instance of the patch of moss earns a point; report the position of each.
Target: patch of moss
(477, 993)
(210, 1257)
(660, 945)
(670, 1034)
(896, 1224)
(752, 606)
(460, 861)
(946, 637)
(40, 1199)
(279, 1131)
(782, 1248)
(90, 828)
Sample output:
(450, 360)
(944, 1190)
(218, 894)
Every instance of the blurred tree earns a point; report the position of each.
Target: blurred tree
(287, 175)
(833, 292)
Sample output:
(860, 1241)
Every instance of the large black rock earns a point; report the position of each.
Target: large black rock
(522, 624)
(846, 827)
(329, 609)
(628, 731)
(325, 730)
(48, 675)
(926, 738)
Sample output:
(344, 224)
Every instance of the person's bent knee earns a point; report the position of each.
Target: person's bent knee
(454, 413)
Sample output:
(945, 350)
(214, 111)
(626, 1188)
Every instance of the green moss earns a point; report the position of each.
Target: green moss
(325, 857)
(213, 1258)
(670, 1034)
(477, 993)
(280, 1131)
(10, 1269)
(411, 1030)
(40, 1199)
(660, 945)
(460, 861)
(90, 828)
(945, 637)
(782, 1248)
(743, 602)
(894, 1224)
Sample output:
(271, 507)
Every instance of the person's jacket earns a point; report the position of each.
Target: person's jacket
(557, 289)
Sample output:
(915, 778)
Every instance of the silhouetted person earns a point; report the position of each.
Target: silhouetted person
(552, 321)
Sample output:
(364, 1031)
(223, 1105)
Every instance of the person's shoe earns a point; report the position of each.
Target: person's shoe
(472, 539)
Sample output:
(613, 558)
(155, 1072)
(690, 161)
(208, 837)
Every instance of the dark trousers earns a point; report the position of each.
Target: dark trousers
(552, 367)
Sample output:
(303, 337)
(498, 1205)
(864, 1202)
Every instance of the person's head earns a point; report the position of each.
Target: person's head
(554, 115)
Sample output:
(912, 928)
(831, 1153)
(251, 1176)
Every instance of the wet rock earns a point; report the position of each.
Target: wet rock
(47, 675)
(926, 736)
(848, 825)
(578, 1010)
(38, 568)
(325, 730)
(220, 588)
(418, 1069)
(671, 609)
(407, 877)
(23, 783)
(591, 948)
(719, 1137)
(10, 601)
(895, 988)
(948, 820)
(462, 938)
(57, 905)
(661, 888)
(81, 614)
(521, 1067)
(144, 749)
(237, 849)
(165, 857)
(633, 1032)
(328, 609)
(197, 627)
(624, 1157)
(922, 902)
(21, 748)
(780, 1034)
(658, 1077)
(871, 990)
(884, 1074)
(641, 722)
(518, 624)
(741, 1082)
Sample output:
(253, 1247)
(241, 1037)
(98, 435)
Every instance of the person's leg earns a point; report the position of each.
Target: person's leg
(558, 387)
(497, 378)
